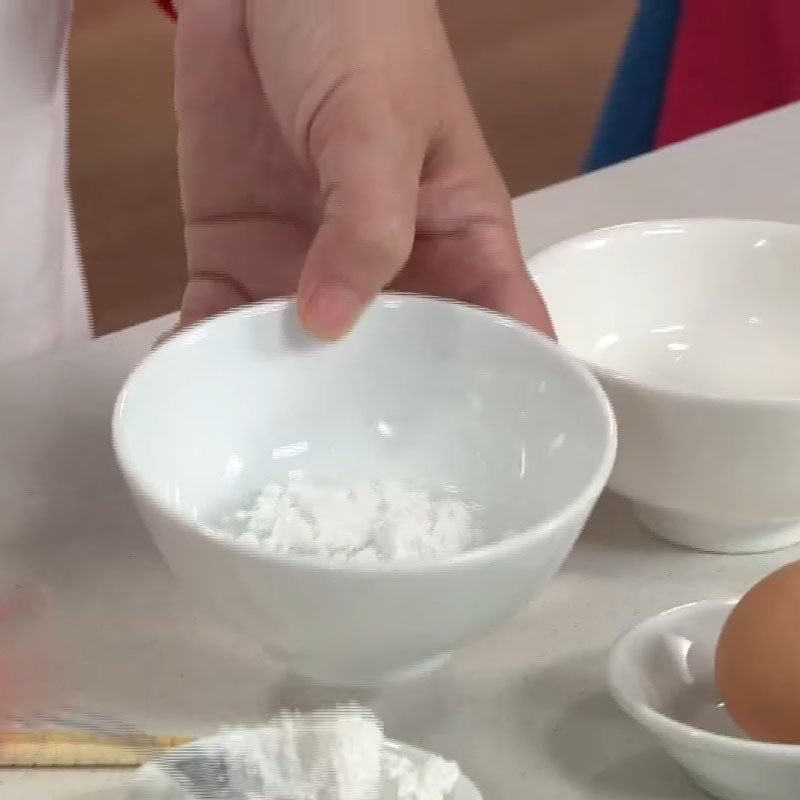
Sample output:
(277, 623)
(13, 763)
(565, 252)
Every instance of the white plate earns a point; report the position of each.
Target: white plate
(662, 674)
(149, 785)
(464, 789)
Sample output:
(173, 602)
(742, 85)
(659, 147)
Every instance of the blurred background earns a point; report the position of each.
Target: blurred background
(537, 72)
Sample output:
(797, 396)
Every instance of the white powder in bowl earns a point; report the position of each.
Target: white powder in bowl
(328, 755)
(370, 521)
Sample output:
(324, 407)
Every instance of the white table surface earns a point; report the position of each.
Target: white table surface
(525, 710)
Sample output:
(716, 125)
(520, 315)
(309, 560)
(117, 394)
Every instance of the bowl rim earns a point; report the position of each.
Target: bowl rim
(498, 549)
(786, 402)
(664, 725)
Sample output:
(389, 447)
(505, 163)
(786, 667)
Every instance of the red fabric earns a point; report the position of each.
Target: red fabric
(731, 59)
(167, 7)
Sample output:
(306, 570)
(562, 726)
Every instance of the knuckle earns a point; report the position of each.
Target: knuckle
(383, 235)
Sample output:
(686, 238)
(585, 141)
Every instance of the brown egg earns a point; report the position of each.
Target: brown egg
(758, 659)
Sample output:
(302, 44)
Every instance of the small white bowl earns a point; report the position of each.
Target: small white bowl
(693, 329)
(438, 395)
(662, 674)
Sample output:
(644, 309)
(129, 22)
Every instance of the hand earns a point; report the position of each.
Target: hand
(329, 149)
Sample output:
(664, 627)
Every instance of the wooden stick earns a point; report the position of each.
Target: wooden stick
(57, 749)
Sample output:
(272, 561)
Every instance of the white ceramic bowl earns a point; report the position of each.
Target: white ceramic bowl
(662, 674)
(694, 331)
(431, 393)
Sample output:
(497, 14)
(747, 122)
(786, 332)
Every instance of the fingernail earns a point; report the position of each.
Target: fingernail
(331, 310)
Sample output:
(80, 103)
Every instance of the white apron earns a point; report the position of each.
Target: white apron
(43, 303)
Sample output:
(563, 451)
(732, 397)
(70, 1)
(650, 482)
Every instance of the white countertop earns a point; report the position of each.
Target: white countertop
(525, 710)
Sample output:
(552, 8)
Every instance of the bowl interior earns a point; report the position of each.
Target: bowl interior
(438, 395)
(707, 306)
(667, 665)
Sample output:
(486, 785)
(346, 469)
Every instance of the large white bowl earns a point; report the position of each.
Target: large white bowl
(662, 674)
(431, 393)
(694, 331)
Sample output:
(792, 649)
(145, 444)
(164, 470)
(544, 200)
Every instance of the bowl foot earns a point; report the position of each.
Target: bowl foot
(716, 536)
(369, 680)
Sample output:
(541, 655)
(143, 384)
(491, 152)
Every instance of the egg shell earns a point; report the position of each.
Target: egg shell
(757, 662)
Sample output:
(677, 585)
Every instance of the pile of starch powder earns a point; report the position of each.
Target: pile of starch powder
(328, 755)
(370, 521)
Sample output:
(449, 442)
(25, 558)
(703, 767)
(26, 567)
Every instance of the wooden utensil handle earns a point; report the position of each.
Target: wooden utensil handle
(61, 750)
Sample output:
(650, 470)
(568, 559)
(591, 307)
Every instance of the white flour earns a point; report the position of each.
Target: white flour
(328, 755)
(371, 521)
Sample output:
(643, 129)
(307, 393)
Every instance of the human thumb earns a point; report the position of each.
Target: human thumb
(369, 178)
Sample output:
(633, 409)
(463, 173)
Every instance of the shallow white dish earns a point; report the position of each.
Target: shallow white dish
(149, 785)
(464, 789)
(662, 674)
(431, 393)
(692, 328)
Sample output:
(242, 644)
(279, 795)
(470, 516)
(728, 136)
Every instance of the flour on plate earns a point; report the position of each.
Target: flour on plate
(328, 755)
(369, 521)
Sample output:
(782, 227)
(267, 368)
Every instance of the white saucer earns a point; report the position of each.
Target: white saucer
(464, 789)
(154, 784)
(662, 674)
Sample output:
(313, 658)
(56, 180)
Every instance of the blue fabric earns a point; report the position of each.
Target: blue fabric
(629, 122)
